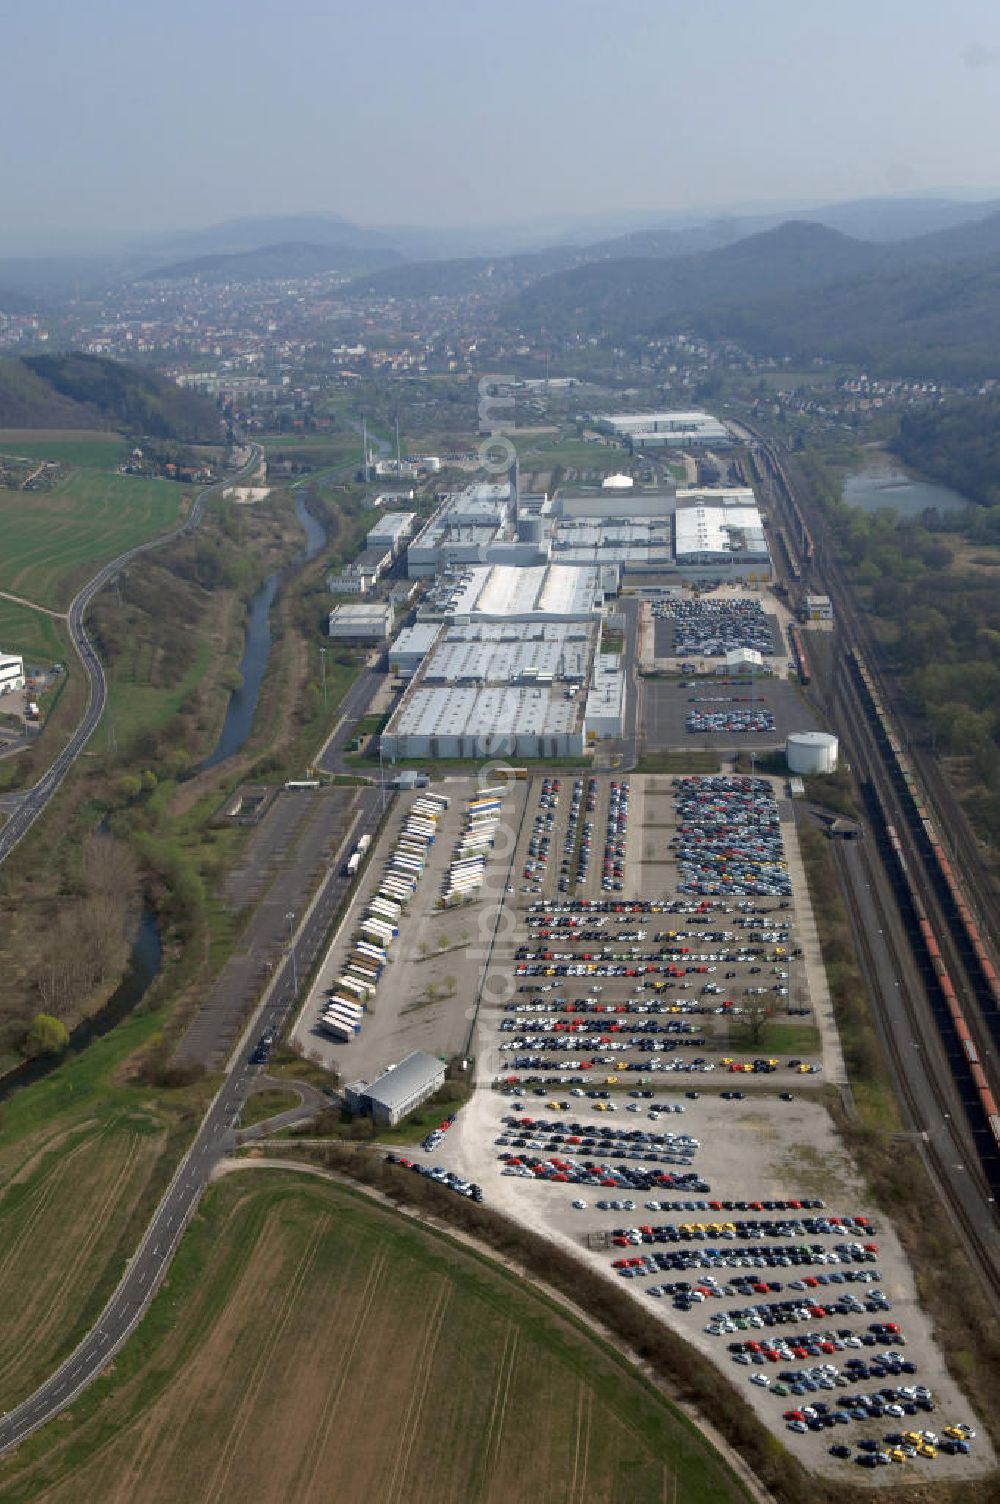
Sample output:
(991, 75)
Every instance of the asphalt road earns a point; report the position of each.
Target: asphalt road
(36, 799)
(215, 1140)
(352, 708)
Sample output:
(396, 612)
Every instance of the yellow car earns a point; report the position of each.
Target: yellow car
(897, 1455)
(926, 1450)
(554, 1106)
(611, 1080)
(601, 1106)
(747, 1069)
(804, 1070)
(772, 1061)
(914, 1438)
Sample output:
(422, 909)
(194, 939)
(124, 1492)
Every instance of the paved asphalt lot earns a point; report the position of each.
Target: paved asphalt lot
(666, 704)
(303, 847)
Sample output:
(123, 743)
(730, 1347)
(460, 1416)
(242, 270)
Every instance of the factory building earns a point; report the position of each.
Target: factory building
(541, 592)
(492, 721)
(463, 528)
(606, 701)
(511, 688)
(513, 653)
(399, 1090)
(411, 648)
(391, 532)
(361, 574)
(720, 531)
(11, 672)
(673, 430)
(638, 543)
(360, 622)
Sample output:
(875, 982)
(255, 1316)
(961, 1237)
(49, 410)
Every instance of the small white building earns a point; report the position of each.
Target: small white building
(11, 672)
(399, 1090)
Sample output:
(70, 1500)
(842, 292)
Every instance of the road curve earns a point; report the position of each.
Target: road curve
(38, 797)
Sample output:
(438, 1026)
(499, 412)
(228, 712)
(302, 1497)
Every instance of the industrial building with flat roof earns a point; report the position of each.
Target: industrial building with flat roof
(500, 592)
(411, 648)
(462, 528)
(722, 530)
(361, 622)
(663, 429)
(391, 531)
(514, 653)
(513, 688)
(495, 720)
(399, 1090)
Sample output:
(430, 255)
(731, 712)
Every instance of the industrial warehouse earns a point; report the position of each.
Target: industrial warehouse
(525, 688)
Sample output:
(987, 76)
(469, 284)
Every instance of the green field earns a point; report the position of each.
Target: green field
(40, 638)
(136, 704)
(54, 539)
(83, 1158)
(309, 1345)
(103, 452)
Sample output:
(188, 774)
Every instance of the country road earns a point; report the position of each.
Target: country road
(38, 797)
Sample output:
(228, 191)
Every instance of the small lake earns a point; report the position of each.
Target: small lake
(884, 484)
(257, 647)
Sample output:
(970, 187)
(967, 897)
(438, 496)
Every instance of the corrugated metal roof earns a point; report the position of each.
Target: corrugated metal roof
(395, 1087)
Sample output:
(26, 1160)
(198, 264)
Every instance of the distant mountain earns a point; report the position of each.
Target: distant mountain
(925, 306)
(254, 231)
(290, 259)
(932, 320)
(627, 294)
(74, 390)
(499, 276)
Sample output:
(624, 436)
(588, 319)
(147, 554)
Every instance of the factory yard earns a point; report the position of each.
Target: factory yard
(669, 707)
(427, 987)
(652, 1041)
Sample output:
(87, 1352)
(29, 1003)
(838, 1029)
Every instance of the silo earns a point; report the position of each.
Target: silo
(811, 752)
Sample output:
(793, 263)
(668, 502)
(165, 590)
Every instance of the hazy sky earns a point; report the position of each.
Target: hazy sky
(141, 114)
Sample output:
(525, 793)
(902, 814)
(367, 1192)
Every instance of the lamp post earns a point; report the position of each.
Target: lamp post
(290, 916)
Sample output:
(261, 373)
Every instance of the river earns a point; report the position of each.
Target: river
(257, 647)
(882, 483)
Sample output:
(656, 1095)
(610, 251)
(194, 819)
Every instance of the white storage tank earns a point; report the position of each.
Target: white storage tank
(811, 752)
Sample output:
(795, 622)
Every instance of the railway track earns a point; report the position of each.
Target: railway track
(959, 990)
(936, 1147)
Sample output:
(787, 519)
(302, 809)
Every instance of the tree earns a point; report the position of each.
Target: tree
(755, 1016)
(47, 1036)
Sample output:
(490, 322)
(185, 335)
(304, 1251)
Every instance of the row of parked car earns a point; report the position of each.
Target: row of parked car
(728, 839)
(713, 628)
(448, 1178)
(742, 722)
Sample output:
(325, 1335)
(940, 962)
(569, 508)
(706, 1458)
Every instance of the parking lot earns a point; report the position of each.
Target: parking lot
(708, 627)
(667, 706)
(650, 1065)
(427, 989)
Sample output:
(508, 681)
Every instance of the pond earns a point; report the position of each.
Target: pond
(882, 483)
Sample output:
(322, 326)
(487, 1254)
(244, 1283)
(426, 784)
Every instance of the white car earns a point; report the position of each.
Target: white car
(580, 1206)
